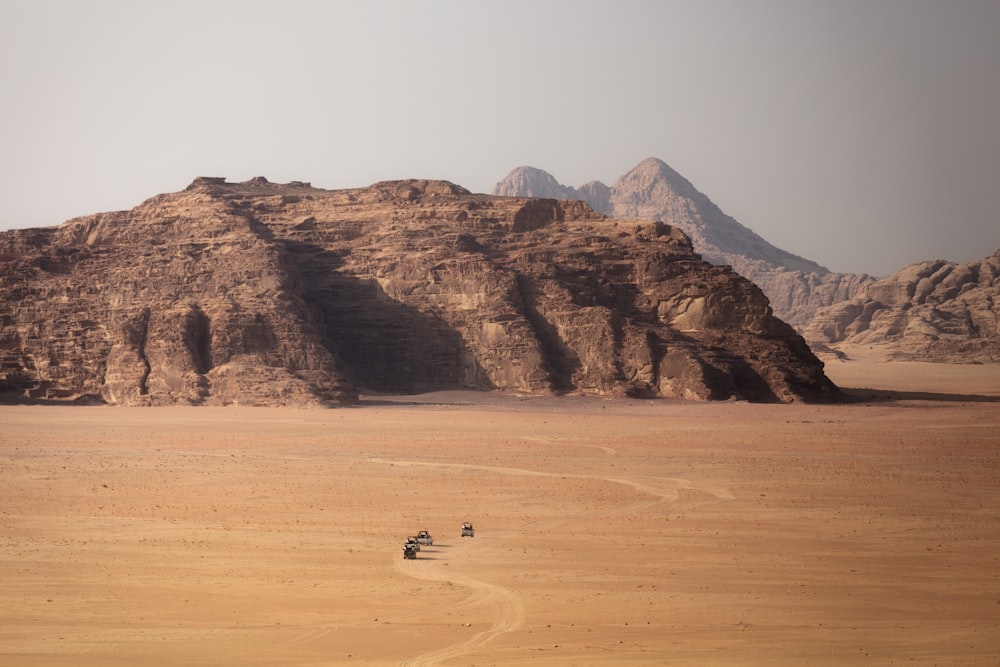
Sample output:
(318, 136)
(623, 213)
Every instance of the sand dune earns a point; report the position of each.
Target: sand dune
(608, 532)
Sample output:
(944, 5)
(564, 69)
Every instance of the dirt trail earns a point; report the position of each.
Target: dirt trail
(605, 532)
(506, 604)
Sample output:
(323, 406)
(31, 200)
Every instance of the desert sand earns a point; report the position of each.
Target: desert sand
(608, 532)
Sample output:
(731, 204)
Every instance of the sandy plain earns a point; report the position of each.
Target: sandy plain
(607, 532)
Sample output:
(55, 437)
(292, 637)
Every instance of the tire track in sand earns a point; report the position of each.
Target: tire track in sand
(507, 608)
(506, 603)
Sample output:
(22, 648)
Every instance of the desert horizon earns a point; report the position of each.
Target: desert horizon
(608, 532)
(237, 243)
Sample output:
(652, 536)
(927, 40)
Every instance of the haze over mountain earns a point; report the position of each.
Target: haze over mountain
(928, 311)
(260, 293)
(933, 310)
(653, 191)
(813, 122)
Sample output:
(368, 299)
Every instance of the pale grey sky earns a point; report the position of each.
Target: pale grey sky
(861, 134)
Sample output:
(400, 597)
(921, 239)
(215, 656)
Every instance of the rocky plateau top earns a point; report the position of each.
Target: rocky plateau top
(259, 293)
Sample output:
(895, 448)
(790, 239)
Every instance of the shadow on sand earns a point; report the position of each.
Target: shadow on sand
(868, 395)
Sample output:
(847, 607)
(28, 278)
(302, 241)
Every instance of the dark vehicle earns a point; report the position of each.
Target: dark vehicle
(409, 553)
(468, 530)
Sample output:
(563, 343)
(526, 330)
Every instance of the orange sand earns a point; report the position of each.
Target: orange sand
(607, 532)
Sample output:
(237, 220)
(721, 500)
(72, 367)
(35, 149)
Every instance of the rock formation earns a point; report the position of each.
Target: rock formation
(258, 293)
(929, 311)
(652, 190)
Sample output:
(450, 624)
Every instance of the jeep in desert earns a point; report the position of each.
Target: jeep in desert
(468, 530)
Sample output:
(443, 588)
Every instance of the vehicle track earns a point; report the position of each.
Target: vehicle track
(506, 603)
(676, 484)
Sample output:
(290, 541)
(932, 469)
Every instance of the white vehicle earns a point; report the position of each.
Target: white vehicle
(412, 542)
(468, 530)
(423, 537)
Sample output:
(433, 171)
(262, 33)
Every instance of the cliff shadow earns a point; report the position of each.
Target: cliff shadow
(560, 361)
(381, 344)
(873, 395)
(725, 375)
(730, 377)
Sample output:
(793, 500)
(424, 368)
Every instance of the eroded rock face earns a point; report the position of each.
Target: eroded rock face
(931, 311)
(282, 294)
(934, 311)
(652, 190)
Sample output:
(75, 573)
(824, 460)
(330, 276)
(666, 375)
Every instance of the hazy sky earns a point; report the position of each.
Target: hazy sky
(861, 134)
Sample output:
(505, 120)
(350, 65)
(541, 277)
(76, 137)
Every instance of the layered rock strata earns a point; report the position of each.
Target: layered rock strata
(282, 294)
(929, 311)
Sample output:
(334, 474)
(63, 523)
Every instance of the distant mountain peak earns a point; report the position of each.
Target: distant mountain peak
(528, 181)
(653, 172)
(653, 190)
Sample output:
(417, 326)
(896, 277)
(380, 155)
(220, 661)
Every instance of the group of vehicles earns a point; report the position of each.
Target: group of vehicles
(412, 544)
(423, 538)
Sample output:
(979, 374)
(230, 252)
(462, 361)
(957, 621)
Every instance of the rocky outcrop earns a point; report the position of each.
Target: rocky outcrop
(652, 190)
(181, 300)
(930, 311)
(282, 294)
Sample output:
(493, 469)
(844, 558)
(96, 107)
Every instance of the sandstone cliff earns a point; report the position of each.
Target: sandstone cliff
(260, 293)
(652, 190)
(930, 311)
